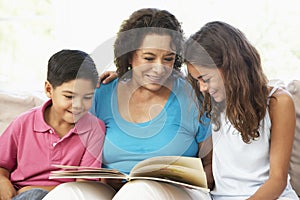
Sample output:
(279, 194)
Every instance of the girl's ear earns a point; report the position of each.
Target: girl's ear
(48, 89)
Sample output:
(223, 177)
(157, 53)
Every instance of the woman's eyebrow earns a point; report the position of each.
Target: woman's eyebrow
(170, 54)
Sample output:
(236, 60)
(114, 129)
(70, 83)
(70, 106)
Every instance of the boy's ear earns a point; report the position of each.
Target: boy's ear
(48, 89)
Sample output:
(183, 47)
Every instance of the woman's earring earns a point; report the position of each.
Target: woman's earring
(129, 67)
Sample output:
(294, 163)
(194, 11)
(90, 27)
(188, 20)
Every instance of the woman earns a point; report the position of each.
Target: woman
(149, 110)
(253, 123)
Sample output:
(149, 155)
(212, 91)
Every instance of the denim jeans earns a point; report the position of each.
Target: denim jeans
(33, 194)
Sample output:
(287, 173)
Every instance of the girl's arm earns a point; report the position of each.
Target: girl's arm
(283, 119)
(7, 190)
(205, 153)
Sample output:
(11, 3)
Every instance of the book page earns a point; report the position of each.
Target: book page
(190, 162)
(172, 172)
(186, 170)
(85, 172)
(206, 190)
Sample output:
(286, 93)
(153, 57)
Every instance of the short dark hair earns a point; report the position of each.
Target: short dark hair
(141, 23)
(67, 65)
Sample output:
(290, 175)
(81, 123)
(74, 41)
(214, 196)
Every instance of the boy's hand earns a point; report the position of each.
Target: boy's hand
(7, 190)
(106, 77)
(30, 187)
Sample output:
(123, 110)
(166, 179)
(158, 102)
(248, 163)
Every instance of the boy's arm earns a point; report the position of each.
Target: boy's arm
(48, 188)
(7, 190)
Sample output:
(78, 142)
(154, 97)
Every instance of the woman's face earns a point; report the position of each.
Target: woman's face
(153, 62)
(209, 80)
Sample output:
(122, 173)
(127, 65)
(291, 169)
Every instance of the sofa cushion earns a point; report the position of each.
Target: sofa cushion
(294, 89)
(13, 104)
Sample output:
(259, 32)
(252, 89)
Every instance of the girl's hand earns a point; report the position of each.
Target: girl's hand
(107, 77)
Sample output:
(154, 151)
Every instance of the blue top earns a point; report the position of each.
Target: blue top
(174, 131)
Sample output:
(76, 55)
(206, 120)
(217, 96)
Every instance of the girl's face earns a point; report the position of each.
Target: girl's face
(209, 80)
(153, 62)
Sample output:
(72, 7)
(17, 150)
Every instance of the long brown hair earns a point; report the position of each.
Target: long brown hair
(218, 44)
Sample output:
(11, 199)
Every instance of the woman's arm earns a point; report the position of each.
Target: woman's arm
(283, 119)
(107, 77)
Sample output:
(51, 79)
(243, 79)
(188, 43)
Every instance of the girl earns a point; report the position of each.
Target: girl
(253, 123)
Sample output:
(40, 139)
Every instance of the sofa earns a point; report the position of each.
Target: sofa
(12, 104)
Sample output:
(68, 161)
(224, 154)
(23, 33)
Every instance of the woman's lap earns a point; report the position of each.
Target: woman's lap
(150, 190)
(137, 189)
(90, 190)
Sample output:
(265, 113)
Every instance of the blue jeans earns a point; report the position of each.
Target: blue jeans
(33, 194)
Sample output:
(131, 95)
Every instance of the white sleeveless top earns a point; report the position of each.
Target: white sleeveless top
(239, 169)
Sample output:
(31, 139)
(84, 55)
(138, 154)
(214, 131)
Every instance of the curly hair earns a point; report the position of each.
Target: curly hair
(141, 23)
(218, 44)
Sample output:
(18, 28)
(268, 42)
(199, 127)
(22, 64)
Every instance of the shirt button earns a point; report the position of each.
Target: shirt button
(54, 144)
(50, 131)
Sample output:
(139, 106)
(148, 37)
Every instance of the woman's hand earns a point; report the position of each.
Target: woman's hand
(107, 77)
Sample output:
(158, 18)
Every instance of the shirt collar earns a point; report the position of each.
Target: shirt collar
(83, 125)
(39, 122)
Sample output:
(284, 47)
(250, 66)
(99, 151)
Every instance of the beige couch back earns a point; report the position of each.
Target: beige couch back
(13, 104)
(294, 89)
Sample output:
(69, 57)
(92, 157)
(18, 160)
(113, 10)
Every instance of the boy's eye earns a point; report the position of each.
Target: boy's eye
(88, 97)
(69, 97)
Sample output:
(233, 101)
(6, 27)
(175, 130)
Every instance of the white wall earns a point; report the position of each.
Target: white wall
(91, 25)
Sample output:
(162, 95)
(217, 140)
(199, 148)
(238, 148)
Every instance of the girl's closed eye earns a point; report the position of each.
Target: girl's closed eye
(206, 80)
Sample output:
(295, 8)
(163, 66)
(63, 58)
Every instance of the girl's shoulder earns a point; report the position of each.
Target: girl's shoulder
(279, 93)
(280, 99)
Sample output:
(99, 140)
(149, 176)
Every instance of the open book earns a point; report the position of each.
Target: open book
(185, 171)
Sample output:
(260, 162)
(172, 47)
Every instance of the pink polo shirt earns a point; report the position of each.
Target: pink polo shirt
(29, 147)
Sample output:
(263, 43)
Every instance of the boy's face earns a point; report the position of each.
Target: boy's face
(71, 100)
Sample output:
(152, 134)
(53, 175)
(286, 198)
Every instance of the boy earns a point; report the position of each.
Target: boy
(61, 131)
